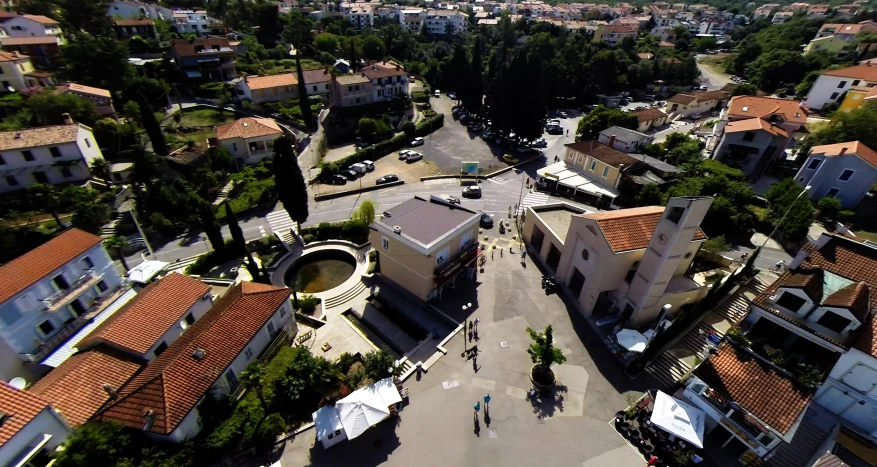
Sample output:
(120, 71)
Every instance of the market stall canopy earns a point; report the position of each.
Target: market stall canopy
(386, 388)
(632, 340)
(678, 418)
(146, 271)
(361, 410)
(326, 421)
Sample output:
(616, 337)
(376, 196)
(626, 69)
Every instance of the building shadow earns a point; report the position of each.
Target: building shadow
(372, 448)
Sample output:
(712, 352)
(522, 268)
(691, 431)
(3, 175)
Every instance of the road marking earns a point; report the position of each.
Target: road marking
(491, 434)
(516, 392)
(262, 231)
(504, 345)
(532, 199)
(450, 384)
(499, 180)
(440, 181)
(482, 383)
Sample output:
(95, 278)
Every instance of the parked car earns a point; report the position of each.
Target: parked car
(417, 141)
(539, 143)
(414, 157)
(450, 199)
(451, 95)
(437, 93)
(349, 174)
(476, 127)
(361, 145)
(553, 122)
(486, 221)
(386, 179)
(464, 117)
(358, 168)
(562, 114)
(696, 116)
(554, 130)
(369, 165)
(403, 154)
(510, 159)
(487, 135)
(499, 140)
(472, 192)
(649, 97)
(335, 179)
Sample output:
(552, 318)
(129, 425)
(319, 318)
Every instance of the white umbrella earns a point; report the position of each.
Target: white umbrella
(361, 410)
(632, 340)
(678, 418)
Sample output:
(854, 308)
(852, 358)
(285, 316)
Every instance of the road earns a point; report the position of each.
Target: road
(715, 80)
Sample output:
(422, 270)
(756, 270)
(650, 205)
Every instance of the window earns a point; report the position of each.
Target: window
(40, 177)
(11, 181)
(846, 175)
(749, 136)
(27, 155)
(315, 87)
(232, 380)
(675, 214)
(234, 147)
(46, 327)
(833, 321)
(60, 282)
(2, 161)
(576, 282)
(841, 84)
(248, 353)
(385, 244)
(272, 330)
(791, 301)
(87, 142)
(65, 172)
(102, 286)
(593, 165)
(833, 96)
(160, 349)
(856, 82)
(87, 262)
(441, 256)
(282, 312)
(832, 193)
(605, 172)
(190, 319)
(814, 164)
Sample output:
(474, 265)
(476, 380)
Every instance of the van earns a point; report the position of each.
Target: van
(359, 168)
(369, 165)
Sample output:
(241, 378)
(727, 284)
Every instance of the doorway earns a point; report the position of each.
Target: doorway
(60, 282)
(77, 307)
(576, 283)
(553, 259)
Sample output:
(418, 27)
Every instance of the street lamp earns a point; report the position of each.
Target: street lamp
(788, 210)
(394, 368)
(465, 324)
(206, 245)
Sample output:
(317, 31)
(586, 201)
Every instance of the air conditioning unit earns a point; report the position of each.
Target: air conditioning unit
(397, 230)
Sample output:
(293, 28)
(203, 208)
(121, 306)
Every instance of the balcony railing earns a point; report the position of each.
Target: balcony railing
(59, 338)
(65, 296)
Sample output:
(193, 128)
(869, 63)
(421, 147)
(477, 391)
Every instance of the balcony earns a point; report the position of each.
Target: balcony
(452, 266)
(63, 297)
(59, 338)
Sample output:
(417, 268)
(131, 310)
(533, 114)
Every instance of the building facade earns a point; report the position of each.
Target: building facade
(32, 428)
(205, 58)
(831, 86)
(249, 139)
(845, 171)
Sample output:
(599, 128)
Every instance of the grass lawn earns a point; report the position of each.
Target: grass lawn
(249, 196)
(200, 138)
(205, 117)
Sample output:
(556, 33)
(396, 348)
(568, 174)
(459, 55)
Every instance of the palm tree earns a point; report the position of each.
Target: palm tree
(47, 197)
(118, 243)
(252, 378)
(102, 168)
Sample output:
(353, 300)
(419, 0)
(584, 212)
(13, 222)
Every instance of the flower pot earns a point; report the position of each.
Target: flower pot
(537, 379)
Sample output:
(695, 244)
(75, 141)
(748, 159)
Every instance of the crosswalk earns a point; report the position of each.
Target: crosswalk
(499, 180)
(281, 224)
(441, 181)
(532, 199)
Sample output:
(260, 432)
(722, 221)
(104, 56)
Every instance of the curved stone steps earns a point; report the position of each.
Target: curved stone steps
(345, 296)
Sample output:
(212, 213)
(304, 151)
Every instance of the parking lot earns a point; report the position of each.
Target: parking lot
(389, 164)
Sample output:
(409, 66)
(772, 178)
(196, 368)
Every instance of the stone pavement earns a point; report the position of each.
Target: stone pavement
(437, 428)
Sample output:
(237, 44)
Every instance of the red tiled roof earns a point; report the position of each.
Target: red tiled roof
(850, 148)
(606, 154)
(684, 99)
(853, 297)
(809, 280)
(173, 383)
(32, 266)
(316, 76)
(35, 40)
(76, 387)
(648, 115)
(757, 386)
(754, 124)
(866, 72)
(19, 407)
(150, 314)
(270, 81)
(763, 107)
(631, 229)
(248, 127)
(40, 19)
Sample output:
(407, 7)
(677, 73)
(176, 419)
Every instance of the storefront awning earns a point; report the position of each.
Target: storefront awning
(678, 418)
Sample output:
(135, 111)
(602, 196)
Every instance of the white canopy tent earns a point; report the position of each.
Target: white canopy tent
(632, 340)
(678, 418)
(146, 271)
(571, 177)
(359, 411)
(329, 429)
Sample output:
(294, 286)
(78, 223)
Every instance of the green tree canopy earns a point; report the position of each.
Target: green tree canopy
(602, 118)
(783, 197)
(97, 61)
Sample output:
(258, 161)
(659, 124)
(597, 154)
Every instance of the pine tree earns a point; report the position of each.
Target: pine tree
(303, 100)
(474, 85)
(153, 129)
(237, 235)
(292, 191)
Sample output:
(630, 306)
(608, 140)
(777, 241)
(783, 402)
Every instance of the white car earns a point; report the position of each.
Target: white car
(403, 154)
(417, 141)
(696, 116)
(414, 157)
(369, 165)
(437, 94)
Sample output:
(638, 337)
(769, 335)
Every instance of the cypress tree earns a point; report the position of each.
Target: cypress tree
(292, 191)
(303, 101)
(153, 129)
(237, 235)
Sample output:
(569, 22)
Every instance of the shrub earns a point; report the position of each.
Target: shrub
(429, 125)
(307, 304)
(829, 208)
(345, 361)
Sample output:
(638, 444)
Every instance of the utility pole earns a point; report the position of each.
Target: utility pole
(142, 234)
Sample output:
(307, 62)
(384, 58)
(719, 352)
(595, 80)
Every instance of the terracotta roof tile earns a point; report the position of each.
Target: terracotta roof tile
(40, 136)
(271, 81)
(756, 385)
(684, 99)
(83, 89)
(40, 19)
(12, 57)
(19, 407)
(754, 124)
(383, 70)
(763, 107)
(648, 115)
(867, 72)
(853, 147)
(76, 387)
(186, 47)
(173, 383)
(150, 314)
(854, 297)
(36, 40)
(631, 229)
(809, 280)
(606, 154)
(316, 76)
(248, 127)
(32, 266)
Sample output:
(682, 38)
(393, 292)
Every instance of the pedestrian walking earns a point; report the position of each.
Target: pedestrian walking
(523, 256)
(491, 254)
(476, 323)
(486, 401)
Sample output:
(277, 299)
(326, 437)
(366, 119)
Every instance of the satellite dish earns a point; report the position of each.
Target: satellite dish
(18, 383)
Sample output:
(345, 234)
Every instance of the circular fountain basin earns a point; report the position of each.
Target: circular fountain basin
(320, 271)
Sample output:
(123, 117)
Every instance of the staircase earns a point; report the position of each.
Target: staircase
(223, 193)
(283, 227)
(345, 297)
(109, 229)
(808, 438)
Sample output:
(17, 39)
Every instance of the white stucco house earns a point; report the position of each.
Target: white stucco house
(249, 139)
(831, 85)
(30, 428)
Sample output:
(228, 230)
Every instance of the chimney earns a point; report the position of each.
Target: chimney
(16, 54)
(111, 391)
(611, 141)
(326, 70)
(843, 151)
(68, 120)
(398, 67)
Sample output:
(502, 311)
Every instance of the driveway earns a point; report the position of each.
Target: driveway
(439, 427)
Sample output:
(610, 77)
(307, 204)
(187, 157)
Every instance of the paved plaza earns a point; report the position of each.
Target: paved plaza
(438, 427)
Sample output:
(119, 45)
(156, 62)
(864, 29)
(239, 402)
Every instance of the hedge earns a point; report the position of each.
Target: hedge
(383, 148)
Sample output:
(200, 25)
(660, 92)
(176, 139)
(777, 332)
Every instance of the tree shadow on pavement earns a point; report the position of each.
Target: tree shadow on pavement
(547, 403)
(370, 449)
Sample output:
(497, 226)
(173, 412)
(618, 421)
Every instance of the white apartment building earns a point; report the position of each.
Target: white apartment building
(361, 16)
(831, 85)
(51, 154)
(33, 26)
(13, 69)
(445, 21)
(194, 22)
(388, 80)
(135, 10)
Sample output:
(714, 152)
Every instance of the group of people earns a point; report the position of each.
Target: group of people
(486, 407)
